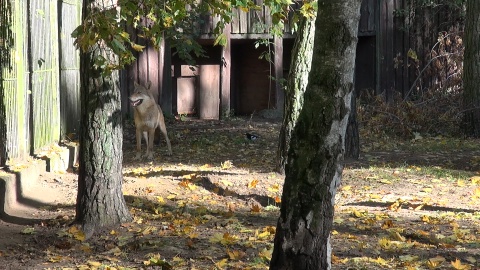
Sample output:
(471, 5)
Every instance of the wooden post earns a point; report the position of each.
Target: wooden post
(225, 73)
(278, 73)
(166, 101)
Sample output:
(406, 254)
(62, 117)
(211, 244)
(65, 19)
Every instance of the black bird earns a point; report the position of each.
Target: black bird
(251, 136)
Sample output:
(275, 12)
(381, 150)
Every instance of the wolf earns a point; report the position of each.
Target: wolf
(148, 117)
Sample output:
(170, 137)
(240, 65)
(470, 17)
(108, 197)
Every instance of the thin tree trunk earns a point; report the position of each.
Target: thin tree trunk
(314, 168)
(100, 201)
(471, 70)
(296, 85)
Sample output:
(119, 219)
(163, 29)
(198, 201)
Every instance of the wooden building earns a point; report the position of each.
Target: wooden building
(39, 94)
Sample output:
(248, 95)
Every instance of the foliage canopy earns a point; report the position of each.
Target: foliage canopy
(179, 21)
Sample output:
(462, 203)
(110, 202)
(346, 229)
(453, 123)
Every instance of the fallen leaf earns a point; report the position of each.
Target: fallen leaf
(253, 183)
(457, 264)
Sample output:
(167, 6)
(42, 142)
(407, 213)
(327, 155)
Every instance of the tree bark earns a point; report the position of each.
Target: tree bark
(471, 70)
(314, 168)
(100, 201)
(296, 85)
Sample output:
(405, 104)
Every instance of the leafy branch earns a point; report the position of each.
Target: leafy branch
(118, 27)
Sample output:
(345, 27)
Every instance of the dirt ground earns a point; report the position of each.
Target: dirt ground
(214, 203)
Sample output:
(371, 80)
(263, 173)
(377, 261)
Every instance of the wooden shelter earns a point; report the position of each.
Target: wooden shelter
(39, 94)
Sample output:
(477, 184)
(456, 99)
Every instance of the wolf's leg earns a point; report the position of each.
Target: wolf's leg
(138, 136)
(149, 138)
(163, 129)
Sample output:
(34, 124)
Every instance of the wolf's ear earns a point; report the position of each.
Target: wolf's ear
(135, 84)
(149, 83)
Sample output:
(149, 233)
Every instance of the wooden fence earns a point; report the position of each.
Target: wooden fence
(39, 94)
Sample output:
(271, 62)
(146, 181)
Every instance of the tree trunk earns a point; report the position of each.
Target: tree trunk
(471, 70)
(296, 85)
(314, 168)
(100, 200)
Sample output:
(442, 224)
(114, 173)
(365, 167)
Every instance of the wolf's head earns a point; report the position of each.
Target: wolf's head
(140, 93)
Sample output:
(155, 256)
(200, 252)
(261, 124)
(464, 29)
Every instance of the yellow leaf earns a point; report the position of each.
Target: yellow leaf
(433, 263)
(235, 254)
(397, 236)
(253, 183)
(475, 180)
(358, 214)
(380, 261)
(55, 259)
(171, 197)
(227, 164)
(266, 253)
(337, 260)
(461, 183)
(221, 264)
(385, 243)
(459, 266)
(375, 196)
(205, 166)
(226, 183)
(94, 263)
(387, 224)
(274, 188)
(427, 190)
(137, 47)
(77, 233)
(264, 235)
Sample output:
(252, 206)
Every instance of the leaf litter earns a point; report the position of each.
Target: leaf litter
(214, 204)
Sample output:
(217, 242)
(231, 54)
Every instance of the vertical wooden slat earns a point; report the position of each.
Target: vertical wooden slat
(44, 61)
(167, 89)
(14, 95)
(208, 92)
(70, 11)
(278, 73)
(225, 73)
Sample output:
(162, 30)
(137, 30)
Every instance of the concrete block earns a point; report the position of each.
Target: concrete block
(74, 151)
(8, 193)
(27, 175)
(56, 158)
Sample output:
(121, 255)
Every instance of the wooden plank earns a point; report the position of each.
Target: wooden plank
(243, 16)
(69, 69)
(209, 90)
(45, 74)
(152, 62)
(186, 95)
(226, 73)
(398, 49)
(166, 101)
(235, 25)
(278, 73)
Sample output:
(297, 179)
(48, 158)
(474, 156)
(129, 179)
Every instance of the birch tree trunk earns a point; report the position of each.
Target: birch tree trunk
(471, 70)
(100, 201)
(314, 168)
(296, 85)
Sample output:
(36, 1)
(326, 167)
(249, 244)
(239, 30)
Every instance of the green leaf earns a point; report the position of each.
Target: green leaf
(221, 40)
